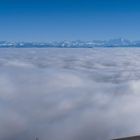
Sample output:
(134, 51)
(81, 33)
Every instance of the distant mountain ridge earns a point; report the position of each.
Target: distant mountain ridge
(120, 42)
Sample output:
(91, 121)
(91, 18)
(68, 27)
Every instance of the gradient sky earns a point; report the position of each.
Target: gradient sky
(55, 20)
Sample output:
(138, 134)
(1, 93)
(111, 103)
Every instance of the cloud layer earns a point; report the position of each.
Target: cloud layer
(69, 94)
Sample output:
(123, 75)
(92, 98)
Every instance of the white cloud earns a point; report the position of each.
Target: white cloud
(73, 94)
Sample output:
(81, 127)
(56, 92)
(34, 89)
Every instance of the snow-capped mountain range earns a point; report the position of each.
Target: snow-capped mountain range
(121, 42)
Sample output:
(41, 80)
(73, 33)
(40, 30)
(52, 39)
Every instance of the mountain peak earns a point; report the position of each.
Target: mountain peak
(120, 42)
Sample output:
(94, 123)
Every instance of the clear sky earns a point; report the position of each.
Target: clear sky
(50, 20)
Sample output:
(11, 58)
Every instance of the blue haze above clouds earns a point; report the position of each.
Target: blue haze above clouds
(55, 20)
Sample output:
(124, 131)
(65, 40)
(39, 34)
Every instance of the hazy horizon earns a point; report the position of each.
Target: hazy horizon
(45, 41)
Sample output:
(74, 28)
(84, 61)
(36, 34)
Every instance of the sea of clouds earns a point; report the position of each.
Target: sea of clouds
(69, 94)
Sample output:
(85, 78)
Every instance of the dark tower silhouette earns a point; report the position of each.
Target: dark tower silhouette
(36, 138)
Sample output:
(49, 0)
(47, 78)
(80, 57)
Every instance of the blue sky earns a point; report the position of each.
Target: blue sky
(50, 20)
